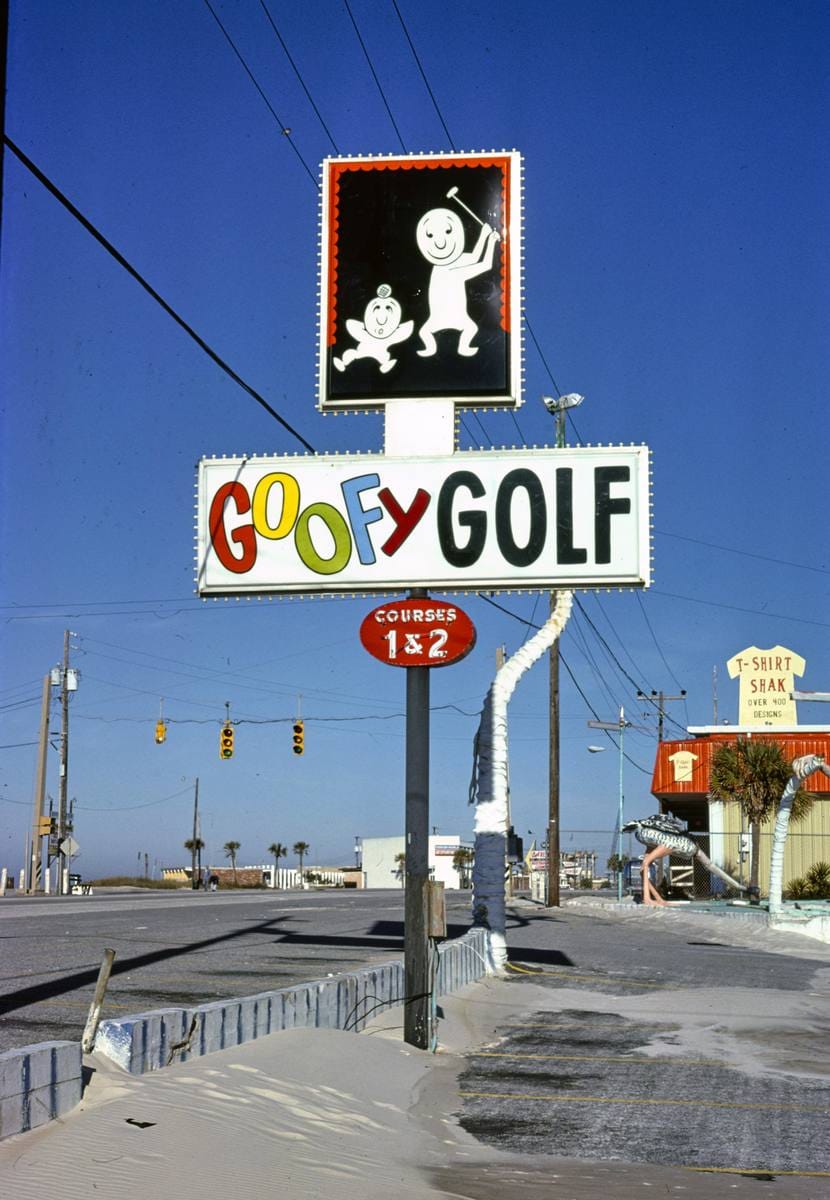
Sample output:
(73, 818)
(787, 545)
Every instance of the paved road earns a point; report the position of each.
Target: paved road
(182, 948)
(663, 1040)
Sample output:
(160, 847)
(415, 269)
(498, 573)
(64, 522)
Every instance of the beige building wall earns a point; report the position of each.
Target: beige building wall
(808, 842)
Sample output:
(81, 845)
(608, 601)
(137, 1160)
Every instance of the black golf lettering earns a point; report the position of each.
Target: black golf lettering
(521, 556)
(566, 552)
(605, 507)
(476, 522)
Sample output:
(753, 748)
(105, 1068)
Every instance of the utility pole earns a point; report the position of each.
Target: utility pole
(553, 773)
(36, 865)
(69, 682)
(659, 699)
(620, 726)
(417, 987)
(193, 852)
(558, 409)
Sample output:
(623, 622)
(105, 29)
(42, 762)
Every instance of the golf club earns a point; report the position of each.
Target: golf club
(452, 194)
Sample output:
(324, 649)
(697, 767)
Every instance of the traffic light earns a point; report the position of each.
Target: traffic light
(44, 826)
(161, 732)
(226, 742)
(299, 737)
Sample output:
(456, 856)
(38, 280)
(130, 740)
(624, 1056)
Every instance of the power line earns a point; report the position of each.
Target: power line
(127, 807)
(450, 138)
(374, 75)
(284, 130)
(131, 270)
(753, 612)
(614, 631)
(620, 667)
(781, 562)
(591, 709)
(300, 79)
(656, 643)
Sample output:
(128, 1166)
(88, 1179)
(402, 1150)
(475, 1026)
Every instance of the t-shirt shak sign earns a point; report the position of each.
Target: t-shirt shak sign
(766, 683)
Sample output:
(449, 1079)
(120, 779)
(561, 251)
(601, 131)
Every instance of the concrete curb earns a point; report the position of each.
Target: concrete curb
(41, 1082)
(37, 1084)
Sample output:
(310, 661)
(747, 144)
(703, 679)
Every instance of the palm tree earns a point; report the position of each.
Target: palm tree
(462, 860)
(279, 851)
(195, 846)
(753, 773)
(301, 849)
(230, 849)
(400, 869)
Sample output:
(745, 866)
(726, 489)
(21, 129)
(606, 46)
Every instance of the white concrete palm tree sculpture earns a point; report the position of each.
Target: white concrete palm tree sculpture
(802, 768)
(489, 789)
(663, 835)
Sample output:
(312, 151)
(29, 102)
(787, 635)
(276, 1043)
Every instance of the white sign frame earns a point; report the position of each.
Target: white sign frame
(380, 277)
(500, 520)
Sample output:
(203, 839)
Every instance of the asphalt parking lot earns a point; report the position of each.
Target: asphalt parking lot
(710, 1055)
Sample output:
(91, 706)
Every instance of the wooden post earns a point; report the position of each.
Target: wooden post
(91, 1027)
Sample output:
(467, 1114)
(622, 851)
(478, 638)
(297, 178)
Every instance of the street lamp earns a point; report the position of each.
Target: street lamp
(620, 727)
(557, 408)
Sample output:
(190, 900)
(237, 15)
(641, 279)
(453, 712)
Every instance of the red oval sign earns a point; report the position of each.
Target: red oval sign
(418, 633)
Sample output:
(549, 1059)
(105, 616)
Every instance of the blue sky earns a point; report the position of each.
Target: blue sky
(676, 274)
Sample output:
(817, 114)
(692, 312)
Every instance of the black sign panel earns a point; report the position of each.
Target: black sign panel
(420, 279)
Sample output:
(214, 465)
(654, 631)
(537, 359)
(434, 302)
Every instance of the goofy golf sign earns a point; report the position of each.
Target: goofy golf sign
(420, 285)
(471, 520)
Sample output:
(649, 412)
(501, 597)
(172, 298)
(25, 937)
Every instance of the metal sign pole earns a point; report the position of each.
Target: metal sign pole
(416, 936)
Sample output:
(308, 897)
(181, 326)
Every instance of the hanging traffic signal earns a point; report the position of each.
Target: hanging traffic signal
(226, 742)
(299, 737)
(161, 732)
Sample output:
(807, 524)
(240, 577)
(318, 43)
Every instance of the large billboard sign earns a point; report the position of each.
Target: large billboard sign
(494, 520)
(420, 285)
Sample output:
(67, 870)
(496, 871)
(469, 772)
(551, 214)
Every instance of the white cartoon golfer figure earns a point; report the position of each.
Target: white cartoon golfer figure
(440, 237)
(380, 328)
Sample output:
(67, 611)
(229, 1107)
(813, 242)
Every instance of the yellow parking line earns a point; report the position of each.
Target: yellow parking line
(589, 1025)
(759, 1171)
(610, 1058)
(84, 1004)
(644, 1101)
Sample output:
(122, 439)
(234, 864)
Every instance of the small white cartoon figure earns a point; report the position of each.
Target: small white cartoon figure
(380, 328)
(440, 236)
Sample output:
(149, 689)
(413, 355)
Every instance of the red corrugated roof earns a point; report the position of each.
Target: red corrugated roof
(794, 745)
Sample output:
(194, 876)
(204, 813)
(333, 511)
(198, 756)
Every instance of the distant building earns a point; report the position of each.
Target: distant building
(681, 784)
(265, 875)
(383, 868)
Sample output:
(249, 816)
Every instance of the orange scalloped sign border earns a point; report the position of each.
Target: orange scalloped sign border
(337, 169)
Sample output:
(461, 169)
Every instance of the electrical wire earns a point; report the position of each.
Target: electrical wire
(129, 807)
(374, 75)
(430, 92)
(284, 130)
(780, 562)
(139, 278)
(300, 79)
(562, 659)
(656, 643)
